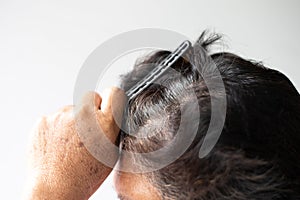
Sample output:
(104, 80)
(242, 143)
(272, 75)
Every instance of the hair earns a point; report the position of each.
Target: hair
(257, 154)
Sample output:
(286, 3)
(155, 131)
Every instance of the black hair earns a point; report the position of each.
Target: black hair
(257, 154)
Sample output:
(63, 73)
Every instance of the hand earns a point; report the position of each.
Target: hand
(62, 166)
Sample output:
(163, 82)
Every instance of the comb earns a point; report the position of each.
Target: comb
(158, 70)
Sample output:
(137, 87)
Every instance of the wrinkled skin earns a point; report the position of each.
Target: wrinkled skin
(61, 167)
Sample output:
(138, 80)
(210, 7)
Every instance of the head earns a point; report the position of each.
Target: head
(256, 156)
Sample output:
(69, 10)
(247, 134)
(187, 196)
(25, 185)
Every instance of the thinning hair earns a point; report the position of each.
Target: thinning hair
(257, 155)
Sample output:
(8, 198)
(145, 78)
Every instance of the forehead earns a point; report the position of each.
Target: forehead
(130, 186)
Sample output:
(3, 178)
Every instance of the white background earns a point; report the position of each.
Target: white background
(44, 43)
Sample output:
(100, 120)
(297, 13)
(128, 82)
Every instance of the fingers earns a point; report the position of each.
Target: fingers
(91, 100)
(113, 104)
(104, 112)
(95, 123)
(111, 113)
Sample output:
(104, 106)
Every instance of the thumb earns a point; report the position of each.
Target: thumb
(112, 106)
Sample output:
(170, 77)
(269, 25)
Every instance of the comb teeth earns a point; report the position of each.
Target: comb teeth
(158, 71)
